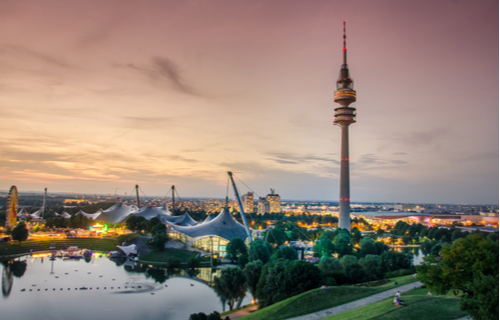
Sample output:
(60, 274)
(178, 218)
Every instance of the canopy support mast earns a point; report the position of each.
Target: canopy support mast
(243, 217)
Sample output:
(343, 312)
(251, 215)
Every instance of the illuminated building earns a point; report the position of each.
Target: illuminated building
(247, 200)
(212, 235)
(263, 206)
(344, 116)
(98, 229)
(274, 201)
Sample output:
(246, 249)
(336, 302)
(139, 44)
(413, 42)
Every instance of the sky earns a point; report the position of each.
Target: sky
(96, 95)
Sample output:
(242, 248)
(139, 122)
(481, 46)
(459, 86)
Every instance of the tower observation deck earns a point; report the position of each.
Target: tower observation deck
(344, 116)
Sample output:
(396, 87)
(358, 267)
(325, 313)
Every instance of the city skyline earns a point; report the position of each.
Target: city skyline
(96, 96)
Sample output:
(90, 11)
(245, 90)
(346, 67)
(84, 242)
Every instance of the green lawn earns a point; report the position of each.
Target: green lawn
(420, 306)
(165, 255)
(97, 244)
(318, 299)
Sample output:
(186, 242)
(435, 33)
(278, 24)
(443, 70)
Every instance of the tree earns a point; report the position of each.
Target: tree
(301, 276)
(343, 243)
(493, 236)
(436, 249)
(368, 246)
(259, 251)
(392, 261)
(327, 265)
(236, 248)
(483, 304)
(271, 287)
(277, 236)
(347, 261)
(158, 241)
(252, 273)
(355, 235)
(80, 221)
(470, 264)
(330, 270)
(202, 316)
(158, 228)
(20, 232)
(287, 253)
(456, 234)
(406, 239)
(356, 274)
(381, 247)
(426, 246)
(371, 264)
(324, 247)
(198, 316)
(133, 223)
(231, 285)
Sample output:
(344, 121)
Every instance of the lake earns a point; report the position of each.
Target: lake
(118, 289)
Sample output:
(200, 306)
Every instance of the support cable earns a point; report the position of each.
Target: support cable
(144, 194)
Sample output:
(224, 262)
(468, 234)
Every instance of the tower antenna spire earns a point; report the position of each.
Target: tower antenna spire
(345, 46)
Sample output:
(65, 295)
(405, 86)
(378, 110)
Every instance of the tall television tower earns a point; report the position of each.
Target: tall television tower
(344, 116)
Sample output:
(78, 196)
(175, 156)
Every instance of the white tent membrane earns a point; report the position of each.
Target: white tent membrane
(90, 215)
(36, 214)
(210, 217)
(164, 215)
(116, 213)
(224, 226)
(128, 250)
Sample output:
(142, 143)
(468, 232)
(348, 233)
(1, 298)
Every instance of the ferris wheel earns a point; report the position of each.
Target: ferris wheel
(12, 203)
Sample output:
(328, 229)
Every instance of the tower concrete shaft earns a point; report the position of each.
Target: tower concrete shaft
(344, 116)
(345, 197)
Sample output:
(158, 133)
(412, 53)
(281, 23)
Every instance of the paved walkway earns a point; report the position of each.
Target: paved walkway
(242, 313)
(358, 303)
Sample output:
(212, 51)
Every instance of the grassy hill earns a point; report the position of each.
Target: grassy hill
(318, 299)
(420, 306)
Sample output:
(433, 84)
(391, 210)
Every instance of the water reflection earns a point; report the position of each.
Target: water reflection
(116, 286)
(18, 268)
(11, 269)
(7, 281)
(417, 252)
(159, 275)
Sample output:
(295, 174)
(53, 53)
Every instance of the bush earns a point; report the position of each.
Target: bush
(202, 316)
(193, 263)
(173, 263)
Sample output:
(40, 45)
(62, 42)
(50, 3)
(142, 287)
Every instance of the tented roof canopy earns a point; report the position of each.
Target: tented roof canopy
(128, 250)
(164, 215)
(90, 215)
(116, 213)
(149, 212)
(182, 220)
(224, 226)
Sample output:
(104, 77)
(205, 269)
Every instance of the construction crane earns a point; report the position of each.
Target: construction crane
(243, 217)
(116, 189)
